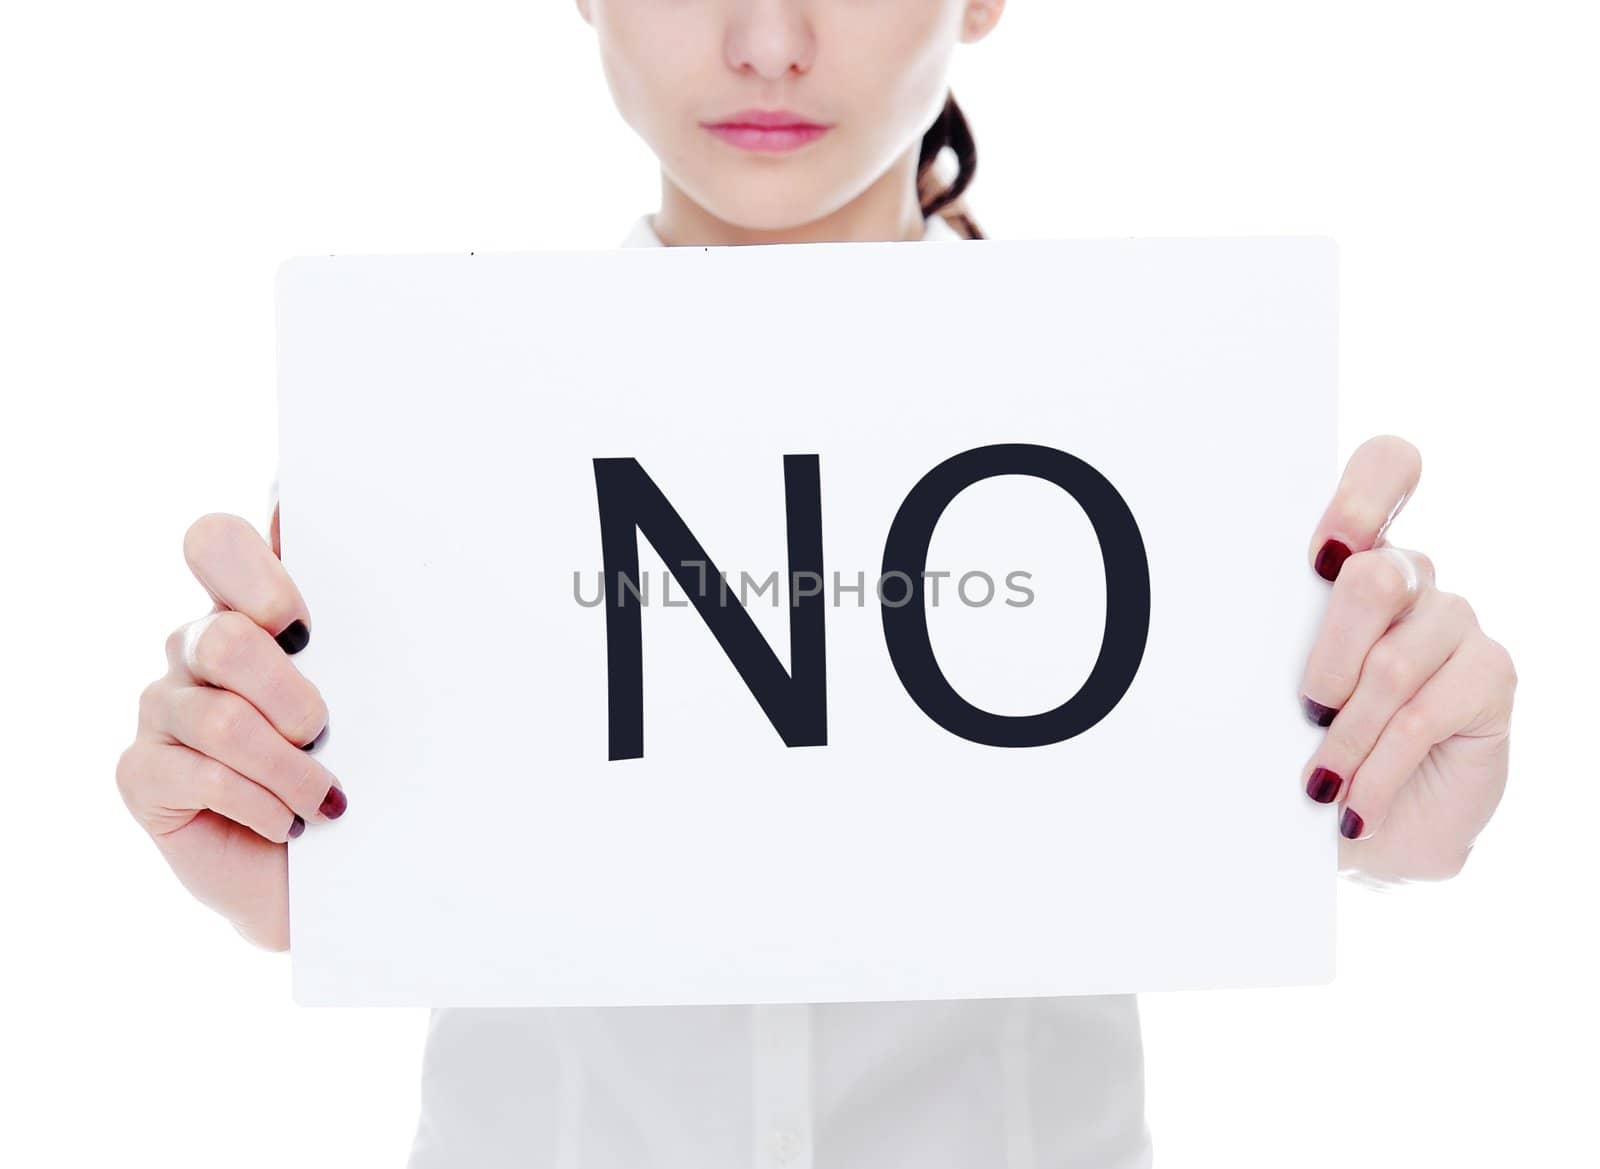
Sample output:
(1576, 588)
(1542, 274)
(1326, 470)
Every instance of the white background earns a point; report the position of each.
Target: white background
(161, 158)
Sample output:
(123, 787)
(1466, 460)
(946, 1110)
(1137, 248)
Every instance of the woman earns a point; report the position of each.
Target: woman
(792, 121)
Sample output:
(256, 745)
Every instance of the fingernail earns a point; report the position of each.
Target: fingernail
(1323, 785)
(296, 828)
(334, 803)
(293, 639)
(322, 737)
(1332, 557)
(1350, 826)
(1316, 712)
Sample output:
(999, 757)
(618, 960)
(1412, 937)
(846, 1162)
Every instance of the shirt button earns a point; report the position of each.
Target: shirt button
(785, 1146)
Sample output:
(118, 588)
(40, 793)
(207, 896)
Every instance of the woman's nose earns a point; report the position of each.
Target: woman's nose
(770, 37)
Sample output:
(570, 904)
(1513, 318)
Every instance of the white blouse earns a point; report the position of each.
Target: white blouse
(968, 1084)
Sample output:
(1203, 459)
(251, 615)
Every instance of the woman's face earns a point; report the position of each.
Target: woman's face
(863, 79)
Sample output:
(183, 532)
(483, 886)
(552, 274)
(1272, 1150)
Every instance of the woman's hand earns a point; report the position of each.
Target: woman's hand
(220, 772)
(1416, 699)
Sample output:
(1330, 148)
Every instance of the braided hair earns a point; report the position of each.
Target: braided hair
(950, 129)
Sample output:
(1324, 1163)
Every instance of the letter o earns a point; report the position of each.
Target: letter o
(1127, 569)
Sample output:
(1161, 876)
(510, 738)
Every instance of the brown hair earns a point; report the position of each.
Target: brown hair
(950, 129)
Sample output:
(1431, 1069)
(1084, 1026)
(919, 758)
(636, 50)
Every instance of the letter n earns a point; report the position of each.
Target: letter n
(794, 701)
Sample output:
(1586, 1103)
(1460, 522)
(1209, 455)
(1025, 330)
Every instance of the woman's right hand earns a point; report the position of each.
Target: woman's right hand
(220, 772)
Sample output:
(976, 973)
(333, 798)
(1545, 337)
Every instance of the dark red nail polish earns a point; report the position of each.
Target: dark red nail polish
(1323, 785)
(322, 737)
(1316, 712)
(1332, 557)
(334, 803)
(1350, 826)
(294, 637)
(296, 828)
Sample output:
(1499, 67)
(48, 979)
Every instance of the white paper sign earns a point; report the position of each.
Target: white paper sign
(1069, 763)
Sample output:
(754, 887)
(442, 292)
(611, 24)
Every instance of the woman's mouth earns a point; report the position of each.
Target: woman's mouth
(768, 131)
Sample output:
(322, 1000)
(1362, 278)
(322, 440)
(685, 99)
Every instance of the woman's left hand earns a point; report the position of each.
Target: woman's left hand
(1415, 697)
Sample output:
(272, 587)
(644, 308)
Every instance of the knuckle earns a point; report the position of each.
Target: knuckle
(224, 720)
(150, 702)
(224, 644)
(1412, 723)
(1389, 668)
(1501, 662)
(211, 778)
(1458, 609)
(1375, 579)
(130, 771)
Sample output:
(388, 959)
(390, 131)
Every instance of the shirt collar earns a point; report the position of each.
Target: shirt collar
(643, 235)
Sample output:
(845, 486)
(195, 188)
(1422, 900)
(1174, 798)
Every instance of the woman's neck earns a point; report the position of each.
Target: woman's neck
(887, 210)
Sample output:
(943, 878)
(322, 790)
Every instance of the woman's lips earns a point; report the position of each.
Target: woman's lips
(766, 130)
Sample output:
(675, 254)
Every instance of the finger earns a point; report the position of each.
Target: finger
(1448, 702)
(1377, 481)
(166, 784)
(237, 567)
(1395, 668)
(228, 650)
(1375, 588)
(224, 726)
